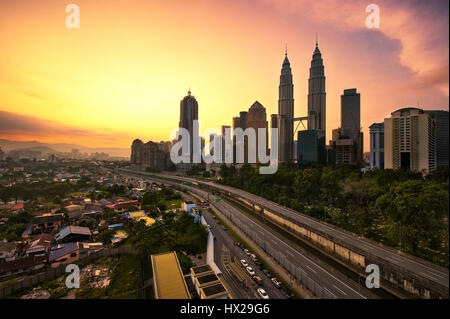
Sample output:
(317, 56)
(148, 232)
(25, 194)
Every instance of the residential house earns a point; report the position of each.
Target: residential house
(46, 223)
(73, 233)
(7, 250)
(64, 254)
(19, 266)
(40, 245)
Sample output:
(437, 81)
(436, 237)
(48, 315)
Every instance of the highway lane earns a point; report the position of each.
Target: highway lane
(433, 273)
(321, 276)
(224, 240)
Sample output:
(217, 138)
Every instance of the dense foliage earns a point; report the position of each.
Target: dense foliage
(173, 232)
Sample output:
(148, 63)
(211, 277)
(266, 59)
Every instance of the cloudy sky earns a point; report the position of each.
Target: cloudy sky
(123, 73)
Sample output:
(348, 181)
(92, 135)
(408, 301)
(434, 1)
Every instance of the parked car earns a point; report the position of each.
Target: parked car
(254, 257)
(247, 252)
(276, 282)
(250, 271)
(262, 293)
(267, 273)
(244, 262)
(258, 280)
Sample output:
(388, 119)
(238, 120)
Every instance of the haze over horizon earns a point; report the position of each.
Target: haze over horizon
(122, 75)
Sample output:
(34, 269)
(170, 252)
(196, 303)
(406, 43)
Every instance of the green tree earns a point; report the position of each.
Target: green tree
(416, 209)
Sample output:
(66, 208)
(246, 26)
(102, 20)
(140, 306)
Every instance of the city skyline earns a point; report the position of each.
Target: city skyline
(122, 74)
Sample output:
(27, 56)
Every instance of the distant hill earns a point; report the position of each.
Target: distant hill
(46, 148)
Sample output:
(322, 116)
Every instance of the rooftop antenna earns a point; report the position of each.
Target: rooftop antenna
(317, 41)
(189, 92)
(285, 53)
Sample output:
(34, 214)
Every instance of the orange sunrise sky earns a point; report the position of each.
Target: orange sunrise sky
(122, 74)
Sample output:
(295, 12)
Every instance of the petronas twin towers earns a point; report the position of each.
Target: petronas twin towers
(316, 104)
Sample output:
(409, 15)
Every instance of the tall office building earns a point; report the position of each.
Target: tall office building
(350, 111)
(351, 121)
(189, 113)
(441, 119)
(224, 141)
(238, 122)
(285, 113)
(256, 119)
(409, 140)
(316, 93)
(311, 147)
(377, 145)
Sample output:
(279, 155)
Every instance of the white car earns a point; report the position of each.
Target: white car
(250, 271)
(276, 282)
(254, 257)
(244, 262)
(262, 293)
(247, 252)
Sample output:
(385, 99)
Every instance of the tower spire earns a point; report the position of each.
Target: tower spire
(285, 52)
(317, 41)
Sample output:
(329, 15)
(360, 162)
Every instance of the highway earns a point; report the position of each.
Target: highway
(335, 286)
(224, 242)
(431, 272)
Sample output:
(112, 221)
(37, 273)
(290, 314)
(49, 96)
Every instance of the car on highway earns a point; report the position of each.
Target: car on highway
(267, 272)
(254, 257)
(276, 282)
(258, 280)
(250, 271)
(262, 293)
(247, 252)
(244, 263)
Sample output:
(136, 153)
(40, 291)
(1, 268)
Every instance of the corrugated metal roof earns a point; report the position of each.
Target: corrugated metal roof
(62, 250)
(72, 230)
(168, 278)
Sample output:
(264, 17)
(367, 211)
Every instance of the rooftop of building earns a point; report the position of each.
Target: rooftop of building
(61, 250)
(168, 278)
(201, 269)
(208, 278)
(214, 290)
(47, 218)
(76, 230)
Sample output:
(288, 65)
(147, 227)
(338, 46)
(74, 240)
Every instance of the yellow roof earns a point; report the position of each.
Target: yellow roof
(148, 221)
(120, 234)
(168, 278)
(137, 214)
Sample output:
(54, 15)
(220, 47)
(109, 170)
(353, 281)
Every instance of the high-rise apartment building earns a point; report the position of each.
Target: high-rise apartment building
(441, 119)
(377, 145)
(409, 140)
